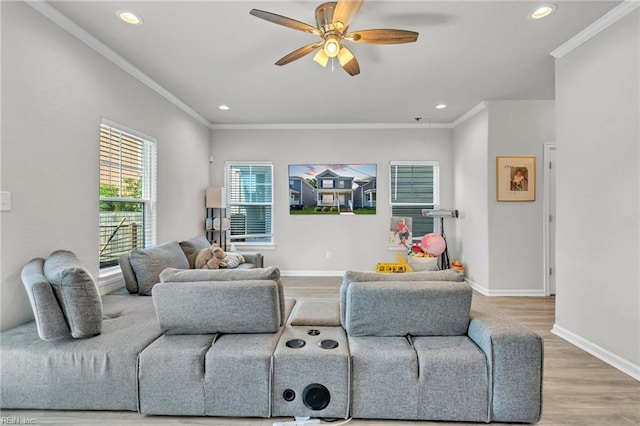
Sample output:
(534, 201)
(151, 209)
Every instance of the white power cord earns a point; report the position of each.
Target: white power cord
(305, 421)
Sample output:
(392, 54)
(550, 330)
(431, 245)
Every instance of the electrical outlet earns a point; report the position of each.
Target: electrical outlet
(327, 254)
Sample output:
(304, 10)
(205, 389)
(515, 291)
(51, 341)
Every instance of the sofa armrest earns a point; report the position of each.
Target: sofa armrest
(253, 257)
(515, 359)
(217, 307)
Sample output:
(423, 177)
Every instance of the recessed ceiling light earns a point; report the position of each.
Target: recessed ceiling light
(542, 11)
(224, 107)
(129, 17)
(441, 106)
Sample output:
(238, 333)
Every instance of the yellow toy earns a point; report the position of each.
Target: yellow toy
(401, 267)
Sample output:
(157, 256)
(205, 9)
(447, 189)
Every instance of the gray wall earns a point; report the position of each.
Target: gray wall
(598, 205)
(471, 196)
(517, 128)
(54, 92)
(501, 244)
(356, 242)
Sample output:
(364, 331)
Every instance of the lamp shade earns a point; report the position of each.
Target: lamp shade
(214, 198)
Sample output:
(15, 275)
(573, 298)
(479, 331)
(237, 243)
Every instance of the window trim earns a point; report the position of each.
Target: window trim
(227, 192)
(110, 275)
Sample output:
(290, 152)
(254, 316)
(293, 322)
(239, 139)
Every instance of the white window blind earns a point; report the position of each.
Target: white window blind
(414, 186)
(127, 193)
(249, 191)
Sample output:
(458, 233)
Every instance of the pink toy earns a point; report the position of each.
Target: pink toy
(433, 244)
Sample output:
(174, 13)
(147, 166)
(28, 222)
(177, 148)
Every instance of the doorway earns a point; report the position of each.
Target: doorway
(549, 218)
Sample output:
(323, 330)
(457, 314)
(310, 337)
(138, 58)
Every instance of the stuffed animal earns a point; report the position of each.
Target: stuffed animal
(207, 258)
(214, 257)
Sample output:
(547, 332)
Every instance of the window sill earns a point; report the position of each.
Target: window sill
(110, 279)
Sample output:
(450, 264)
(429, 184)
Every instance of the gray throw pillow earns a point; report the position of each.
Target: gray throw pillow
(49, 318)
(148, 263)
(76, 293)
(192, 247)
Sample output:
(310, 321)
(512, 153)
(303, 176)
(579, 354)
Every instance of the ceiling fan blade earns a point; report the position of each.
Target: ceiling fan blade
(345, 11)
(298, 53)
(383, 36)
(348, 62)
(283, 20)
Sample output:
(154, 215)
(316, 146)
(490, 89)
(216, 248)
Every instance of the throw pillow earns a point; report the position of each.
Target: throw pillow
(148, 263)
(76, 293)
(49, 318)
(192, 247)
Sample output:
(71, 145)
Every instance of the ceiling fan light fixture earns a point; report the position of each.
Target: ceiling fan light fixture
(321, 58)
(441, 106)
(542, 11)
(345, 56)
(332, 46)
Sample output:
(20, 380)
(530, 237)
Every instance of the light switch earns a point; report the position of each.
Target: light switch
(5, 201)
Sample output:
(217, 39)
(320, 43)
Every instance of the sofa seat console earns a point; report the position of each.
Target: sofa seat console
(227, 343)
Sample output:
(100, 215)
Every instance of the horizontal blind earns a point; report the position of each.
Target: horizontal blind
(250, 202)
(127, 190)
(414, 187)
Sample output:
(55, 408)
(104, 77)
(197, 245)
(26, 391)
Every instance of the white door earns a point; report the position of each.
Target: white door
(550, 212)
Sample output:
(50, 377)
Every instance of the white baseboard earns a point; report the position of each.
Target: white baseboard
(610, 358)
(509, 292)
(312, 273)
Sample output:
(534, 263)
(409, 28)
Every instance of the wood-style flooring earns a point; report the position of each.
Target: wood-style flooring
(579, 389)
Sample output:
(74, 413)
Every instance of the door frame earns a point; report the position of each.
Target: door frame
(548, 147)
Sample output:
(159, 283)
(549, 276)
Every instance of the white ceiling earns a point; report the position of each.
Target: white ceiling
(209, 53)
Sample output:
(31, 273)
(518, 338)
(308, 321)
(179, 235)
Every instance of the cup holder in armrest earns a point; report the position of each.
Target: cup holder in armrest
(295, 343)
(328, 344)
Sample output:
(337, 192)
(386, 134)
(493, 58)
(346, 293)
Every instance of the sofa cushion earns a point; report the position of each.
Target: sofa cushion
(149, 262)
(218, 307)
(76, 293)
(354, 276)
(239, 274)
(192, 247)
(429, 308)
(49, 317)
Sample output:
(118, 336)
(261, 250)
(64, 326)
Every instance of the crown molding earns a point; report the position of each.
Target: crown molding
(74, 29)
(467, 115)
(610, 18)
(329, 126)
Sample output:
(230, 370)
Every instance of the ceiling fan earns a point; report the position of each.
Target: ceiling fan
(332, 20)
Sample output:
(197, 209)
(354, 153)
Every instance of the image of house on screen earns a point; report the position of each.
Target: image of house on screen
(332, 189)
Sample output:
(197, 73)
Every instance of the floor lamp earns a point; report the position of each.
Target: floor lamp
(214, 200)
(442, 214)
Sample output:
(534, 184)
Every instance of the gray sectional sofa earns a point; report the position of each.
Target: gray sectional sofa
(227, 343)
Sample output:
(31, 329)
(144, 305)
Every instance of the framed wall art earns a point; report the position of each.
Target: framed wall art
(516, 178)
(327, 189)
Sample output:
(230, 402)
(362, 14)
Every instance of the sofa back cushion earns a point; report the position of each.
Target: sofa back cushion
(418, 308)
(270, 273)
(209, 307)
(76, 292)
(49, 318)
(353, 276)
(149, 262)
(192, 247)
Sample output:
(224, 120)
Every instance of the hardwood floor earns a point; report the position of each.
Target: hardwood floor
(579, 389)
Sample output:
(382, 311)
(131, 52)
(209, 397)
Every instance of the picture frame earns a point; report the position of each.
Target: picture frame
(516, 178)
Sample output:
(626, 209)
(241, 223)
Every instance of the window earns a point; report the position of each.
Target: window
(127, 193)
(414, 186)
(327, 183)
(249, 202)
